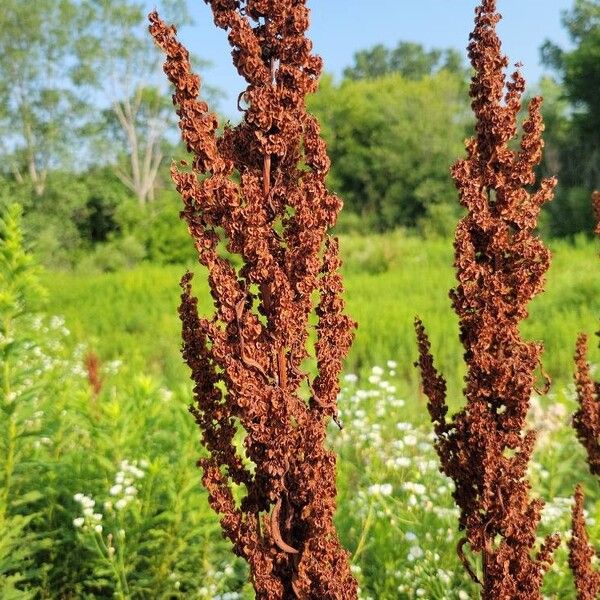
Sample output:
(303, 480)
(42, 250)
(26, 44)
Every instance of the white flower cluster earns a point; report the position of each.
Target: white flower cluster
(381, 489)
(90, 520)
(124, 490)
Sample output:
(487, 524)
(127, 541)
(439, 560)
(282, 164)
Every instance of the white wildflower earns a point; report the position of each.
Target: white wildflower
(121, 503)
(115, 490)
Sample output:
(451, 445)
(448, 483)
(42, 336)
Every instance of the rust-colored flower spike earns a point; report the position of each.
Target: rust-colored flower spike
(92, 367)
(596, 207)
(500, 267)
(586, 420)
(259, 188)
(581, 553)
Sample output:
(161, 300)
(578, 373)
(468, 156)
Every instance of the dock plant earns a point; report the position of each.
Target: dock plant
(586, 422)
(500, 266)
(258, 189)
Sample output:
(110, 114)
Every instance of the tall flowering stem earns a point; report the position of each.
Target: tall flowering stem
(259, 189)
(581, 553)
(596, 209)
(586, 422)
(500, 265)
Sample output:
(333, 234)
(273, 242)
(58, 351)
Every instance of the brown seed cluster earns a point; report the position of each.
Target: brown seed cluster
(581, 553)
(586, 422)
(500, 266)
(596, 207)
(258, 190)
(92, 365)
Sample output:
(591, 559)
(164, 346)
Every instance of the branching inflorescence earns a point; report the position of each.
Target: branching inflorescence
(581, 553)
(500, 267)
(586, 422)
(259, 188)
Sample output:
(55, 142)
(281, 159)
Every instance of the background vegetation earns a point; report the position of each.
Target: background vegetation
(93, 391)
(87, 133)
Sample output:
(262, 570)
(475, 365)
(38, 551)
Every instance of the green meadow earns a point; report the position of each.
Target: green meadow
(396, 515)
(132, 315)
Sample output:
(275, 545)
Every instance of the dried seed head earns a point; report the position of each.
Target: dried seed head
(596, 208)
(92, 367)
(586, 420)
(500, 266)
(581, 553)
(259, 190)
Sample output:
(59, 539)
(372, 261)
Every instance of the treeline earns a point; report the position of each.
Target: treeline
(87, 132)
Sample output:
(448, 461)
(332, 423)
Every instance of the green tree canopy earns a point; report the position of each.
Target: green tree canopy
(409, 59)
(392, 141)
(579, 70)
(40, 110)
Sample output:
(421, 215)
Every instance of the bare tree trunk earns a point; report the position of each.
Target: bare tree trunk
(145, 157)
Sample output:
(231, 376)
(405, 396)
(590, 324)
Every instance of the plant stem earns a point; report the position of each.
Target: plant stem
(11, 430)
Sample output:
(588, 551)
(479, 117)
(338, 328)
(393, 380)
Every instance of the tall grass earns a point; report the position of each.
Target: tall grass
(396, 515)
(389, 279)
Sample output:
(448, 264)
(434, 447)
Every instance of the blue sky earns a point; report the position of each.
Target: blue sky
(341, 27)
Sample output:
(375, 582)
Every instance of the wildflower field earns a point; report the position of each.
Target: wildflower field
(108, 479)
(273, 402)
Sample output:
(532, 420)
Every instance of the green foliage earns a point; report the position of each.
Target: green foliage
(392, 142)
(62, 443)
(38, 54)
(74, 213)
(581, 66)
(578, 147)
(167, 239)
(408, 59)
(20, 383)
(104, 498)
(571, 213)
(388, 279)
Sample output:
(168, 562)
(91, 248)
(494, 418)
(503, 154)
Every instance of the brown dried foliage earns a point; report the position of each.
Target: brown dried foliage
(581, 553)
(586, 420)
(260, 189)
(596, 207)
(92, 367)
(500, 267)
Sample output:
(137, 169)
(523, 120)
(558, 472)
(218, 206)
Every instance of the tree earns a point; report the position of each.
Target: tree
(409, 59)
(136, 127)
(40, 111)
(392, 142)
(579, 70)
(126, 68)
